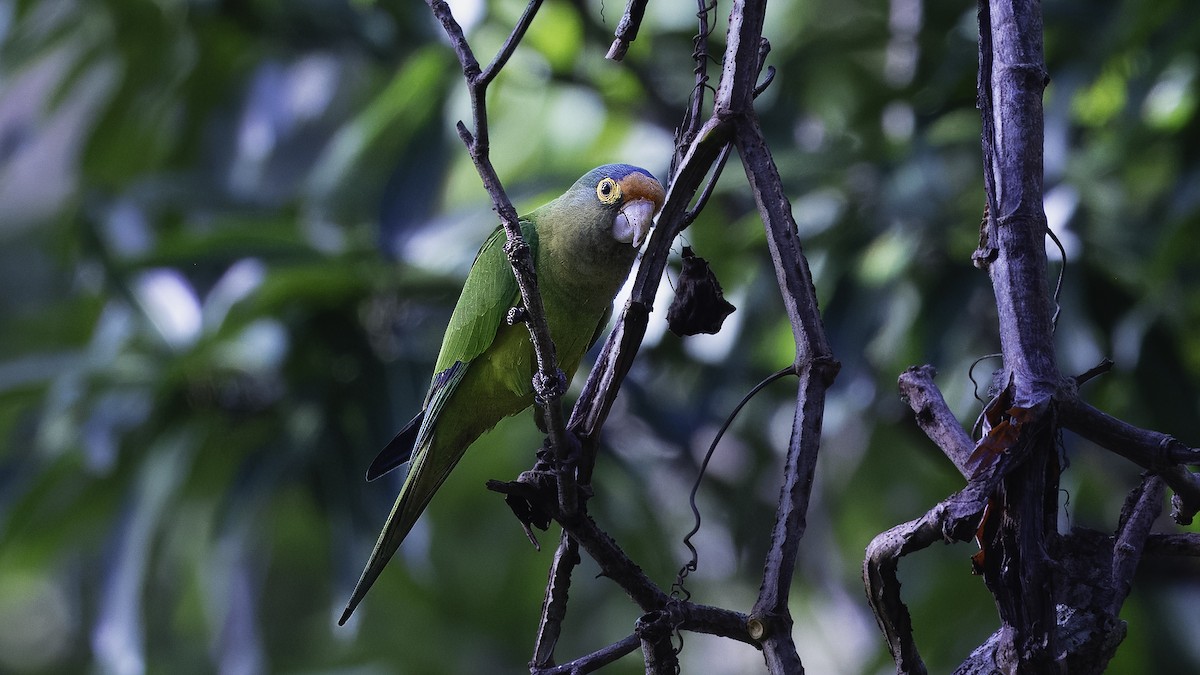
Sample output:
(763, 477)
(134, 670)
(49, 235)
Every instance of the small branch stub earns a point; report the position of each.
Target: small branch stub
(757, 628)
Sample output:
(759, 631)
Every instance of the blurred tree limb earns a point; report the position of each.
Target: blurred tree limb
(1058, 596)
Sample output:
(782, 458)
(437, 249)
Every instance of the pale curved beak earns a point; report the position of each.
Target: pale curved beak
(633, 222)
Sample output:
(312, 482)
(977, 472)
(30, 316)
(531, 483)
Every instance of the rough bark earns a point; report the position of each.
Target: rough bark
(1058, 597)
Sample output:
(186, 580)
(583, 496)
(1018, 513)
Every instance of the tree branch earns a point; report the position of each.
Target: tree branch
(1141, 509)
(733, 120)
(627, 29)
(1187, 544)
(1011, 79)
(547, 380)
(814, 362)
(554, 607)
(1058, 597)
(1012, 250)
(1150, 450)
(934, 417)
(592, 662)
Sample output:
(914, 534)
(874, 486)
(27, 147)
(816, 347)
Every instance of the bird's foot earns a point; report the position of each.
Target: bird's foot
(547, 388)
(515, 249)
(516, 315)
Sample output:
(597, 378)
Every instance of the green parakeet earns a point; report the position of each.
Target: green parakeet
(583, 245)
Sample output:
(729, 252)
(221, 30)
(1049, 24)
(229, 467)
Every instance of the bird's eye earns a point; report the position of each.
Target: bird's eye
(607, 191)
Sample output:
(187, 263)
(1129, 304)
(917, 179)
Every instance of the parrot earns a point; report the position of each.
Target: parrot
(583, 245)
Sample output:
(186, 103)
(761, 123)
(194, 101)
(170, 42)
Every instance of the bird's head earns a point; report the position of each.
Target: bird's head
(632, 193)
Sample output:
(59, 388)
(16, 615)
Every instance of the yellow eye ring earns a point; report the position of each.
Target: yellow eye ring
(608, 191)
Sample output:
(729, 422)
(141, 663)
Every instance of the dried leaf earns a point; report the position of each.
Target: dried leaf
(1002, 423)
(699, 305)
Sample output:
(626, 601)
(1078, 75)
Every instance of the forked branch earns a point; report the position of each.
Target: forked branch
(699, 159)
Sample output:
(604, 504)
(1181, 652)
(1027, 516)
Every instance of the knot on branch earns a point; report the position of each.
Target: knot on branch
(516, 250)
(1034, 75)
(1162, 459)
(762, 625)
(655, 625)
(824, 366)
(548, 388)
(756, 628)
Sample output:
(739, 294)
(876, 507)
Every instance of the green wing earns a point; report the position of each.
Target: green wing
(489, 293)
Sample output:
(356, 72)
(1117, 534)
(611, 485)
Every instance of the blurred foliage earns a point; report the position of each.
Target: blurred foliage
(231, 234)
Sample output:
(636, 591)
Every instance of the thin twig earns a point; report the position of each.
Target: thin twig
(547, 379)
(594, 661)
(685, 134)
(1141, 510)
(934, 416)
(510, 44)
(1151, 450)
(627, 29)
(709, 186)
(554, 607)
(1095, 371)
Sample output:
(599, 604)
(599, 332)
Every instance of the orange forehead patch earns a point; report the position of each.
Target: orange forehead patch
(638, 185)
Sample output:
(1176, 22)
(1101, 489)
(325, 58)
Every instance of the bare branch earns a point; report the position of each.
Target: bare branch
(1011, 79)
(880, 575)
(934, 416)
(1058, 597)
(1141, 509)
(600, 390)
(654, 629)
(554, 607)
(592, 662)
(1012, 249)
(627, 29)
(506, 50)
(954, 519)
(816, 369)
(1187, 544)
(1151, 450)
(702, 200)
(1099, 369)
(547, 380)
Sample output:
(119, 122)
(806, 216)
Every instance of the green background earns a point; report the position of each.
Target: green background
(231, 233)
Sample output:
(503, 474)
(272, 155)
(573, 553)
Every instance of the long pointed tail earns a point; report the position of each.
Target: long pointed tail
(426, 474)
